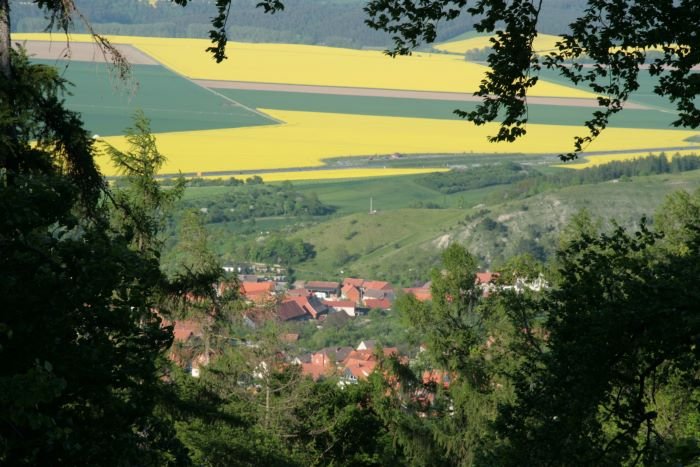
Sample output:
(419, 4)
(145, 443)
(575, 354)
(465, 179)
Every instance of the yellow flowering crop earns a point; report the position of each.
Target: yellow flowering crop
(309, 137)
(592, 161)
(543, 43)
(331, 174)
(321, 66)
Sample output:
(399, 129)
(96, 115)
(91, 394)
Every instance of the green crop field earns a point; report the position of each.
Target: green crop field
(172, 102)
(438, 109)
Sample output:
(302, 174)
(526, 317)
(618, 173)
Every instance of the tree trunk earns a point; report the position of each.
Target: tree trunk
(5, 42)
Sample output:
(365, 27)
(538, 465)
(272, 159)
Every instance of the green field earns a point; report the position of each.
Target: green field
(438, 109)
(172, 102)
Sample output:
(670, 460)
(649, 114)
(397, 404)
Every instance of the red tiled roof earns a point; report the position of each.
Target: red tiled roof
(298, 293)
(289, 310)
(361, 370)
(486, 277)
(355, 282)
(381, 303)
(376, 285)
(315, 371)
(321, 285)
(305, 305)
(256, 288)
(421, 294)
(183, 330)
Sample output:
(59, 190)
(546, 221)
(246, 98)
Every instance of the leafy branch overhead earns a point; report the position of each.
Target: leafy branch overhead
(605, 50)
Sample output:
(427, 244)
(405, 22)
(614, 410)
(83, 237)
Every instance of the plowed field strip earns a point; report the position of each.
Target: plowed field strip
(83, 52)
(396, 93)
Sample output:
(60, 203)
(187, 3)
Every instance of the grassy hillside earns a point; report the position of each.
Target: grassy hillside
(401, 245)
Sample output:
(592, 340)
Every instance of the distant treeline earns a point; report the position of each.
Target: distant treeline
(458, 180)
(335, 23)
(526, 180)
(255, 200)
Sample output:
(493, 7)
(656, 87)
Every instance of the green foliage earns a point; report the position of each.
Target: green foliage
(458, 180)
(621, 329)
(141, 203)
(80, 343)
(256, 199)
(614, 35)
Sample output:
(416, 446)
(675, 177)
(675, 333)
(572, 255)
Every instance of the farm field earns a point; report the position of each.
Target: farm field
(107, 105)
(220, 131)
(543, 43)
(307, 138)
(316, 65)
(435, 109)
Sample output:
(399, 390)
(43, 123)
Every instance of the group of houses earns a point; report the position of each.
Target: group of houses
(347, 363)
(315, 300)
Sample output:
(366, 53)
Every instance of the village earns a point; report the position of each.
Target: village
(318, 301)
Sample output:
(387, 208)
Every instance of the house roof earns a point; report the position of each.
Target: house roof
(256, 288)
(340, 353)
(315, 371)
(381, 303)
(486, 277)
(361, 370)
(355, 282)
(316, 285)
(183, 330)
(376, 285)
(369, 344)
(339, 303)
(298, 293)
(421, 293)
(289, 310)
(310, 304)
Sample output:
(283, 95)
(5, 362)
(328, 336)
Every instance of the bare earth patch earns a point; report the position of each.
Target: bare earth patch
(82, 52)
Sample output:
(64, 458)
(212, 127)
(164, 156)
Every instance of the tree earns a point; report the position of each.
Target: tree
(62, 13)
(141, 204)
(79, 341)
(620, 351)
(619, 37)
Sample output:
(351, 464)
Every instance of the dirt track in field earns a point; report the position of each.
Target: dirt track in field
(396, 93)
(82, 52)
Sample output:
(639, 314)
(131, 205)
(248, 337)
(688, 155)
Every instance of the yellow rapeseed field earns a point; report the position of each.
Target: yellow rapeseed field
(309, 137)
(316, 65)
(337, 174)
(543, 43)
(592, 161)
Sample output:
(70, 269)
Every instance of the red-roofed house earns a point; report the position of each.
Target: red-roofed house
(316, 372)
(312, 305)
(183, 330)
(258, 292)
(323, 289)
(381, 303)
(486, 277)
(377, 285)
(341, 305)
(290, 310)
(351, 292)
(421, 294)
(353, 281)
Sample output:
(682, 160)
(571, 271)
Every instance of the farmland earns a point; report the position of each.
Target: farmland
(274, 109)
